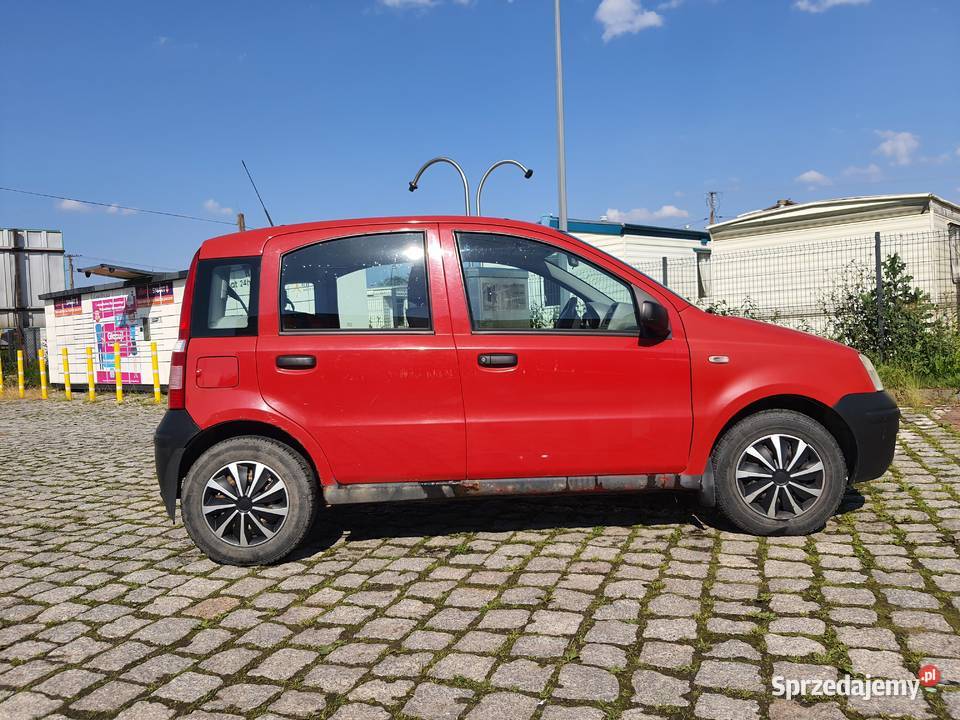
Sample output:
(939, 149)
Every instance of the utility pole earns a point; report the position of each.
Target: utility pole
(70, 270)
(561, 146)
(713, 202)
(241, 222)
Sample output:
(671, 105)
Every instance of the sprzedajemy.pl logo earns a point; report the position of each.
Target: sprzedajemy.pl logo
(866, 687)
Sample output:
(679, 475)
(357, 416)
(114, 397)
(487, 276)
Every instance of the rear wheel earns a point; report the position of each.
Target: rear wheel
(779, 472)
(249, 501)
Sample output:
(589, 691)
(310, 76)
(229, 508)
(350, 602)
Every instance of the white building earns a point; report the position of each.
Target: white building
(136, 311)
(787, 258)
(31, 264)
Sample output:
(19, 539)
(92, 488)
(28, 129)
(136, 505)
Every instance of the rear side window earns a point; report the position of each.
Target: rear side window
(365, 282)
(225, 298)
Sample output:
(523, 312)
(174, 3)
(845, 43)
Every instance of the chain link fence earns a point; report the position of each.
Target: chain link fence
(798, 284)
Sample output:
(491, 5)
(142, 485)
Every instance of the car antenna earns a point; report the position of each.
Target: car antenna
(265, 211)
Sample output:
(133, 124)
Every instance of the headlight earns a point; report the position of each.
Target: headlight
(872, 372)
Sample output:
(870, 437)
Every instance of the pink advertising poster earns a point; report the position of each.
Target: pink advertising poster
(114, 320)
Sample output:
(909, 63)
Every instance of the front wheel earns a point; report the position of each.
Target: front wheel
(249, 501)
(779, 472)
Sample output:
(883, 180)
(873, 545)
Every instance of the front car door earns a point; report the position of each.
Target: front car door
(556, 381)
(356, 347)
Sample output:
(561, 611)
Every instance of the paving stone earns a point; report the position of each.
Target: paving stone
(284, 664)
(437, 702)
(656, 689)
(243, 697)
(729, 675)
(145, 710)
(579, 682)
(229, 661)
(109, 697)
(69, 683)
(188, 687)
(667, 655)
(524, 675)
(381, 691)
(360, 711)
(27, 705)
(299, 704)
(719, 707)
(671, 630)
(463, 665)
(333, 678)
(504, 705)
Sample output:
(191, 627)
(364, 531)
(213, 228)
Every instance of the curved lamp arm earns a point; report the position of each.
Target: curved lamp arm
(463, 177)
(526, 173)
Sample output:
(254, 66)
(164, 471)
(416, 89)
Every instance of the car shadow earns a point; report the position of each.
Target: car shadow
(437, 518)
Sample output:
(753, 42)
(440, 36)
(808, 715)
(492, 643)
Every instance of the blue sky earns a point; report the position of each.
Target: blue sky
(334, 104)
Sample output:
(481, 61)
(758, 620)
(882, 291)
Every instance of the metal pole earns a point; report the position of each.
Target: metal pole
(561, 145)
(663, 262)
(526, 173)
(413, 185)
(879, 273)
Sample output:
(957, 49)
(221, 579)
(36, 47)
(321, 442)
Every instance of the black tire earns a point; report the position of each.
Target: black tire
(815, 509)
(302, 500)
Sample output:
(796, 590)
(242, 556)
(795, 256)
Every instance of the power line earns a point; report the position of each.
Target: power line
(118, 207)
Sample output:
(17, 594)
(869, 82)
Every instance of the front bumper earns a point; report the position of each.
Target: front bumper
(170, 441)
(873, 419)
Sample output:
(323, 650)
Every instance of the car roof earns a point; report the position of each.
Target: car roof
(252, 242)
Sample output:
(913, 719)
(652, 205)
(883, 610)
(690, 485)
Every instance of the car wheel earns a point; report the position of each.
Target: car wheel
(779, 472)
(249, 501)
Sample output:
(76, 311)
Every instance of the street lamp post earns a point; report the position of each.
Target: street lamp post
(561, 148)
(466, 185)
(527, 173)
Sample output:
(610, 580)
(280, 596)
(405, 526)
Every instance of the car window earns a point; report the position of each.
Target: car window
(365, 282)
(515, 283)
(225, 298)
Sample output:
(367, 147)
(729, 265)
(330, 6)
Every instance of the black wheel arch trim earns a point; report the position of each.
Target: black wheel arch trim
(874, 420)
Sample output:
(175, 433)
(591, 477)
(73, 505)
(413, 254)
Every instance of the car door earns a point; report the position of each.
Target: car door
(356, 347)
(556, 381)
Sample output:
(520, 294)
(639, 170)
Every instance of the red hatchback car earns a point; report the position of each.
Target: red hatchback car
(439, 357)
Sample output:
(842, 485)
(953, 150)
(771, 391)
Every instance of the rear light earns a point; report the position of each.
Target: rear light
(176, 388)
(178, 363)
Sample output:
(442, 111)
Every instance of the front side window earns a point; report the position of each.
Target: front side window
(518, 284)
(225, 298)
(366, 282)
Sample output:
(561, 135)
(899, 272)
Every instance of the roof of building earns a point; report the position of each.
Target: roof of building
(117, 271)
(605, 227)
(860, 203)
(87, 289)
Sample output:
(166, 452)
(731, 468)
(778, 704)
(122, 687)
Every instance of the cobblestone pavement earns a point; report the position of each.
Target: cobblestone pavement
(560, 609)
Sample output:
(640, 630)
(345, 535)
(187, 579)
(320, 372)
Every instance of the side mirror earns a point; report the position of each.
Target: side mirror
(654, 321)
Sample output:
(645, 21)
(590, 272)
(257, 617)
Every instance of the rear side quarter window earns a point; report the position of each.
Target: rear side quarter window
(225, 298)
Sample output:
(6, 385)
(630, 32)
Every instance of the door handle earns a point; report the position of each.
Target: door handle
(296, 362)
(497, 360)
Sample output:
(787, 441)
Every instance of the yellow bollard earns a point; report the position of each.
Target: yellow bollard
(91, 385)
(155, 361)
(42, 356)
(67, 390)
(1, 372)
(118, 371)
(20, 384)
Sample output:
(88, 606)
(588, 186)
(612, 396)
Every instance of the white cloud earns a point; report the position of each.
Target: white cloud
(216, 208)
(639, 215)
(812, 177)
(115, 209)
(869, 173)
(73, 206)
(819, 6)
(669, 4)
(620, 17)
(898, 146)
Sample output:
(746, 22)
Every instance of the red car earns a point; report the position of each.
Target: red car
(442, 357)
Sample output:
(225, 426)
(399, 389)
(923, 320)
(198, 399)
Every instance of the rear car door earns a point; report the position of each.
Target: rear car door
(556, 381)
(356, 347)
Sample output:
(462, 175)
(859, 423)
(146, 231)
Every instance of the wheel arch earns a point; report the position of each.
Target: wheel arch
(815, 410)
(209, 437)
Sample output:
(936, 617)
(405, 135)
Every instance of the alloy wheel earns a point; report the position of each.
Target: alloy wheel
(245, 503)
(780, 476)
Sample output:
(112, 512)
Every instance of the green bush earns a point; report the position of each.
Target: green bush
(907, 333)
